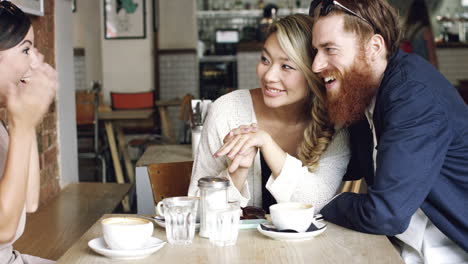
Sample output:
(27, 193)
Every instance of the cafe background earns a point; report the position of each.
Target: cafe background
(177, 53)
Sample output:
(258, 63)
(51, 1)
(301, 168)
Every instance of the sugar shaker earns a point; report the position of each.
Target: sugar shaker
(213, 195)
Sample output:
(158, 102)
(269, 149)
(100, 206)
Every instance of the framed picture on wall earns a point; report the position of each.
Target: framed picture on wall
(33, 7)
(124, 19)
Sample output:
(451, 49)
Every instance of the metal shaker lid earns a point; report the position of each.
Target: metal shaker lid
(213, 182)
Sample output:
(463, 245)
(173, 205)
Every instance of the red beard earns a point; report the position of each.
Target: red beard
(354, 96)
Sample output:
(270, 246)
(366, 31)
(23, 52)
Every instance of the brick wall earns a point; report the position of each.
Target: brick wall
(44, 34)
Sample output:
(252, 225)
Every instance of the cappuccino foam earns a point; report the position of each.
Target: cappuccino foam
(124, 221)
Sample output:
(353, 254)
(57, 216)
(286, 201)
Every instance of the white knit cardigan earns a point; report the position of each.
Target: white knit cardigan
(295, 182)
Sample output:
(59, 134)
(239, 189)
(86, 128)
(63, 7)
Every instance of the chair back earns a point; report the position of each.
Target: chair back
(135, 101)
(85, 107)
(87, 110)
(169, 179)
(87, 104)
(138, 100)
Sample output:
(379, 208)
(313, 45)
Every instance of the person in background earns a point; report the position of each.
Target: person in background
(408, 131)
(418, 35)
(301, 157)
(27, 88)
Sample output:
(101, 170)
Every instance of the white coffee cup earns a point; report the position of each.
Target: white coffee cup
(126, 233)
(292, 215)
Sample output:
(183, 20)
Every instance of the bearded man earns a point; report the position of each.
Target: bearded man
(408, 129)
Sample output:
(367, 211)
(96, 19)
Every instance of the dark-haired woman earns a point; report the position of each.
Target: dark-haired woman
(27, 87)
(418, 32)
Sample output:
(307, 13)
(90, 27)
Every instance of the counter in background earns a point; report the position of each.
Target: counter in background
(453, 61)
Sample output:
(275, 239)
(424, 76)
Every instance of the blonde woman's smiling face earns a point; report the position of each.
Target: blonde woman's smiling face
(281, 81)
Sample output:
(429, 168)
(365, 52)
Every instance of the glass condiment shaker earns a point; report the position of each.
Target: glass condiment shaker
(213, 195)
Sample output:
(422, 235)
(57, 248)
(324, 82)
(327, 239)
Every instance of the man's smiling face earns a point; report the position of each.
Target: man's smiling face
(336, 51)
(342, 64)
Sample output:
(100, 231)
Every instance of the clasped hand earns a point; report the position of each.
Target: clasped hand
(241, 146)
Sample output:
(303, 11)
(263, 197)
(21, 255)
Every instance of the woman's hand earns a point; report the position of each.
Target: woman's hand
(241, 146)
(29, 101)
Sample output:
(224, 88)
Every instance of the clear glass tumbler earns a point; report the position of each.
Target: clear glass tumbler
(225, 227)
(180, 216)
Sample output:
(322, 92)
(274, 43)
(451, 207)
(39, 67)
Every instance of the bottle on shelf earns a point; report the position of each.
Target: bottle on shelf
(238, 5)
(260, 4)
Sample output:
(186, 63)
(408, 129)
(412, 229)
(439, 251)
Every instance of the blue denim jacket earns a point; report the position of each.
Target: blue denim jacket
(421, 125)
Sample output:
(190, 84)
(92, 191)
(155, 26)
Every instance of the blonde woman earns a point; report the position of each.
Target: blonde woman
(301, 157)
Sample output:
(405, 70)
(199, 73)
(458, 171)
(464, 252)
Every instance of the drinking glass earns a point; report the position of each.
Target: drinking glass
(180, 214)
(225, 227)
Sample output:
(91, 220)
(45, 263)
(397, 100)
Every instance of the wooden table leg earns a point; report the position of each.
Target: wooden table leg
(126, 157)
(116, 161)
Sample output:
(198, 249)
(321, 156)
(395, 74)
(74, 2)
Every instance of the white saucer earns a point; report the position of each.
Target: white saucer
(100, 246)
(160, 222)
(284, 236)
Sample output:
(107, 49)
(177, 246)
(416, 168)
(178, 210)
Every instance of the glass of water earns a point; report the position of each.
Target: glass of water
(225, 227)
(180, 216)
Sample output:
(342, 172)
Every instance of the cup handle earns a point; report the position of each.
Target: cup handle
(318, 217)
(160, 209)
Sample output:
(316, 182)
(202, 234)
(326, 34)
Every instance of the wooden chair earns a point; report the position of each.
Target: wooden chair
(356, 186)
(167, 125)
(136, 101)
(169, 179)
(87, 103)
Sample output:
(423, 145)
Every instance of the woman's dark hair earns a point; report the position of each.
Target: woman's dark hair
(14, 25)
(418, 17)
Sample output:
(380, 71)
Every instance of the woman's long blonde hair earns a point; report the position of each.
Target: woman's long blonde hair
(294, 34)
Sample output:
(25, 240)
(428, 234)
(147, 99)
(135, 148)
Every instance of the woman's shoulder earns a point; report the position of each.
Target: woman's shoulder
(235, 102)
(339, 143)
(235, 97)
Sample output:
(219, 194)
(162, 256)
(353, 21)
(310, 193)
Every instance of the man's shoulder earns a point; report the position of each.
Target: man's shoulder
(407, 74)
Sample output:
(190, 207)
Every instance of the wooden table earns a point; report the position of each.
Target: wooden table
(335, 245)
(111, 119)
(54, 228)
(153, 155)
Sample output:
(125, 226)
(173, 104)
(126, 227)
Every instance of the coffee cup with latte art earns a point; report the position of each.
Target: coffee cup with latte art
(126, 233)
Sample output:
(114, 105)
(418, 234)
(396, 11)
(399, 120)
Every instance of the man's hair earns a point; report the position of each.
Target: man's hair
(294, 34)
(14, 25)
(382, 16)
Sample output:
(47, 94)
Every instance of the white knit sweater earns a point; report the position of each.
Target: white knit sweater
(295, 182)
